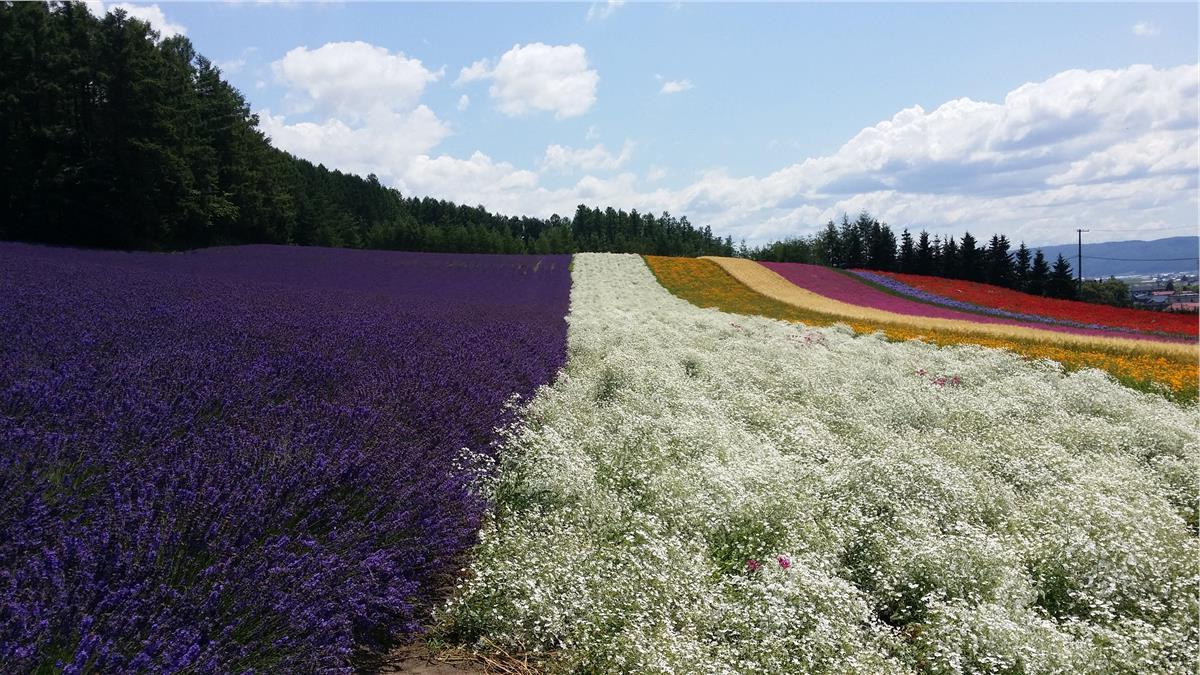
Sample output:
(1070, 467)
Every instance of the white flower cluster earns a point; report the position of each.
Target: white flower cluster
(706, 492)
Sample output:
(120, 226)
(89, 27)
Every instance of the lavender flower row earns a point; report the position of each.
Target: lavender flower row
(242, 459)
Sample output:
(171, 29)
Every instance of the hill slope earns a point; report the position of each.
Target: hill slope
(1138, 256)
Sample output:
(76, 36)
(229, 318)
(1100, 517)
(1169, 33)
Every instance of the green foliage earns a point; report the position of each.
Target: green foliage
(870, 244)
(1110, 291)
(1061, 283)
(116, 138)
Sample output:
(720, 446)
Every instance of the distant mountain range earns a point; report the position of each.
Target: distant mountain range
(1132, 257)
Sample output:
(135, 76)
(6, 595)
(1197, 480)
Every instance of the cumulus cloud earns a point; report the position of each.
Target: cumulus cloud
(538, 78)
(476, 180)
(480, 70)
(1144, 29)
(566, 159)
(600, 11)
(1099, 149)
(464, 102)
(1105, 147)
(382, 143)
(675, 86)
(151, 14)
(356, 108)
(349, 78)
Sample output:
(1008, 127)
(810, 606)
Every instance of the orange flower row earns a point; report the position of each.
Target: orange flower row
(704, 283)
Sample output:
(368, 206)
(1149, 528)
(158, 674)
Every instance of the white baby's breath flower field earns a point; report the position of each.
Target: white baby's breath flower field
(702, 492)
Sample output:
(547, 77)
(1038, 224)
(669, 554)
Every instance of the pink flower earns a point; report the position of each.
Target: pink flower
(956, 380)
(921, 371)
(753, 565)
(784, 562)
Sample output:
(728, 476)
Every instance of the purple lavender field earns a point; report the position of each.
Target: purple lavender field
(243, 458)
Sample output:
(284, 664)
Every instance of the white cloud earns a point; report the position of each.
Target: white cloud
(236, 65)
(598, 11)
(364, 116)
(1105, 148)
(480, 70)
(384, 142)
(538, 78)
(151, 14)
(1099, 149)
(478, 179)
(352, 78)
(464, 102)
(1144, 29)
(592, 133)
(565, 159)
(675, 86)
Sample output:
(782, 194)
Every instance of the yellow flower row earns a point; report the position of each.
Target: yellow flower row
(710, 283)
(767, 282)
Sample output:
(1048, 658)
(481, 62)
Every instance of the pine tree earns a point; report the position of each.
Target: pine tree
(951, 262)
(1021, 268)
(970, 263)
(851, 244)
(908, 256)
(999, 262)
(828, 247)
(881, 247)
(1039, 275)
(1062, 282)
(924, 261)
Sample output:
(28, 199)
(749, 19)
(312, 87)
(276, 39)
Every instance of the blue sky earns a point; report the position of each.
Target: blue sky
(762, 121)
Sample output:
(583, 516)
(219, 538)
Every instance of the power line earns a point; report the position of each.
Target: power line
(1096, 257)
(1143, 230)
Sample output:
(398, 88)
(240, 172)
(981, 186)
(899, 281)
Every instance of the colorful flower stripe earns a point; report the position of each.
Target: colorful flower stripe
(897, 286)
(707, 284)
(771, 283)
(705, 492)
(1083, 312)
(847, 288)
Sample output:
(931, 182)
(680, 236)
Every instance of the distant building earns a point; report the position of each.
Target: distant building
(1192, 307)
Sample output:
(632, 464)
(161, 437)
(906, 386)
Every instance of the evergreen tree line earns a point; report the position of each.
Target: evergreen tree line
(867, 243)
(116, 138)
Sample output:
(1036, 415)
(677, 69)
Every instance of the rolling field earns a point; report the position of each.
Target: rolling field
(1146, 361)
(282, 459)
(702, 491)
(244, 458)
(998, 301)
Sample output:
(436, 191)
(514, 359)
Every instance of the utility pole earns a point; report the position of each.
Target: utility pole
(1079, 259)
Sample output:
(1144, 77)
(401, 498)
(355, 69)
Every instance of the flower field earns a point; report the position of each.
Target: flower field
(282, 459)
(985, 296)
(701, 491)
(1145, 361)
(244, 459)
(847, 288)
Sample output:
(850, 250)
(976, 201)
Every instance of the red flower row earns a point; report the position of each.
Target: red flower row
(1070, 310)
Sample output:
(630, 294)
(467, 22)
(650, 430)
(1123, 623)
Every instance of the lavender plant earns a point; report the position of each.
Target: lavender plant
(244, 459)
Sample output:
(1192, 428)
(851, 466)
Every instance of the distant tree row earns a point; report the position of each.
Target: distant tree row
(115, 138)
(869, 244)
